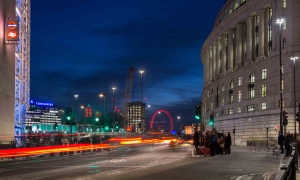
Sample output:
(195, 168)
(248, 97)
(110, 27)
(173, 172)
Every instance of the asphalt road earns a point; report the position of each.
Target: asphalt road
(146, 162)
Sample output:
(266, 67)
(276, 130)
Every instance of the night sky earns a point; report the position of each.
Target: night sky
(86, 47)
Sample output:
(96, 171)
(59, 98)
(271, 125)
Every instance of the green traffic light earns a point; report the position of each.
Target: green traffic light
(68, 117)
(211, 123)
(97, 119)
(117, 127)
(106, 127)
(197, 117)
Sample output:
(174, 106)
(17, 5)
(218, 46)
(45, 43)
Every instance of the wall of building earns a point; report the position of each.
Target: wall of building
(244, 42)
(7, 76)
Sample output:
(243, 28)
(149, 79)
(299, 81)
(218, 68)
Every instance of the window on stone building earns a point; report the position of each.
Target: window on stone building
(239, 110)
(263, 90)
(242, 2)
(284, 3)
(240, 96)
(231, 98)
(282, 69)
(263, 106)
(207, 93)
(270, 29)
(250, 108)
(223, 100)
(223, 87)
(282, 103)
(284, 25)
(251, 92)
(217, 98)
(235, 5)
(282, 85)
(231, 85)
(217, 114)
(283, 44)
(264, 74)
(256, 35)
(211, 105)
(240, 81)
(229, 10)
(230, 111)
(224, 16)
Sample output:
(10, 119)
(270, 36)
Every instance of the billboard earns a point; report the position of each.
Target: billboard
(11, 31)
(88, 112)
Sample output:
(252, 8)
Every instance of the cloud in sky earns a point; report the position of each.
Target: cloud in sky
(86, 47)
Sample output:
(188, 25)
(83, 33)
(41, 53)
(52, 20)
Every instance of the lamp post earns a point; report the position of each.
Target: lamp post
(280, 21)
(113, 116)
(76, 96)
(294, 59)
(296, 147)
(141, 85)
(83, 107)
(103, 95)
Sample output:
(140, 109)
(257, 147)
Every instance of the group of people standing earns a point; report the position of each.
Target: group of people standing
(218, 143)
(286, 142)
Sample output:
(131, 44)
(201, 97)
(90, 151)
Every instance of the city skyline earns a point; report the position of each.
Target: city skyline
(95, 44)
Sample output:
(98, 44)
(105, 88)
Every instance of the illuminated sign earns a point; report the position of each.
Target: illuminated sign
(41, 103)
(88, 112)
(12, 31)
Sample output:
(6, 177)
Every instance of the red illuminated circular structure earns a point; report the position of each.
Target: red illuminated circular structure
(167, 113)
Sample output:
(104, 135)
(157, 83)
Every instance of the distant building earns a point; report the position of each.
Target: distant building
(136, 113)
(42, 116)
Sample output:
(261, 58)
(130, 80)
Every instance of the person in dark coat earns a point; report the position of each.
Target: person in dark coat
(196, 140)
(228, 142)
(287, 144)
(280, 141)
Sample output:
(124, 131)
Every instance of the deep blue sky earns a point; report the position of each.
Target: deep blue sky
(86, 47)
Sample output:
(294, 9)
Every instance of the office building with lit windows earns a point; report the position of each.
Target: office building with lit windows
(42, 116)
(241, 60)
(136, 113)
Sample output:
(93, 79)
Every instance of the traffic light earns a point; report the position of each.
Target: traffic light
(55, 126)
(284, 118)
(198, 112)
(297, 116)
(69, 111)
(211, 120)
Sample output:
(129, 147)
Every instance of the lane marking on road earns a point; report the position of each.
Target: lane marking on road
(117, 160)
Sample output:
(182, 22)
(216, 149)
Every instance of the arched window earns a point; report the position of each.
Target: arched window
(251, 92)
(231, 84)
(223, 87)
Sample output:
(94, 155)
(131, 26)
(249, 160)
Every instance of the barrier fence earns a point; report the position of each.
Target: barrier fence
(288, 170)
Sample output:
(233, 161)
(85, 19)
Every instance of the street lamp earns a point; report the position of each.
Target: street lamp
(76, 96)
(280, 21)
(178, 117)
(141, 85)
(103, 95)
(294, 59)
(113, 105)
(83, 107)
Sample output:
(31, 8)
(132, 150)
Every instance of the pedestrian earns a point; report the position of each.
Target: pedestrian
(287, 144)
(196, 141)
(228, 142)
(213, 143)
(221, 144)
(280, 141)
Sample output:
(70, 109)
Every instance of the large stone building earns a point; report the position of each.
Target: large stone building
(241, 60)
(136, 113)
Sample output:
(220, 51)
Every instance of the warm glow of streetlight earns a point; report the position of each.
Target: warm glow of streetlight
(113, 88)
(280, 21)
(141, 71)
(76, 95)
(82, 107)
(178, 117)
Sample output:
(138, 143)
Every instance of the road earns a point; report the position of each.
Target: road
(145, 162)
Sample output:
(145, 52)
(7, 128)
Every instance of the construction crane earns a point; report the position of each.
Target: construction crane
(127, 95)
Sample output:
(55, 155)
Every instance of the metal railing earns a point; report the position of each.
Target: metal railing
(288, 170)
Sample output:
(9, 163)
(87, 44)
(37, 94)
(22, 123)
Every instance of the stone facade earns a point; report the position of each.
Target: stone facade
(242, 67)
(7, 76)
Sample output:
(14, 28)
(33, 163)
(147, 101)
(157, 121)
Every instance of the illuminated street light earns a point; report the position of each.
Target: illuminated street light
(113, 88)
(103, 95)
(141, 85)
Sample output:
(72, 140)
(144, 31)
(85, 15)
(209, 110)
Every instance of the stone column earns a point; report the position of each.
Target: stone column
(218, 57)
(224, 61)
(214, 59)
(238, 39)
(230, 49)
(261, 33)
(249, 39)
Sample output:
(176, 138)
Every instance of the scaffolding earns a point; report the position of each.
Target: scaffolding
(22, 67)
